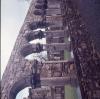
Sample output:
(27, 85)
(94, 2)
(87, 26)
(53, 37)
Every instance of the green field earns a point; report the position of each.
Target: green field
(70, 92)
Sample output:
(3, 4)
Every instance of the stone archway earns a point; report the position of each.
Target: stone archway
(18, 86)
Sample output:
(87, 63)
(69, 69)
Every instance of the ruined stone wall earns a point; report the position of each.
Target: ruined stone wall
(18, 69)
(55, 75)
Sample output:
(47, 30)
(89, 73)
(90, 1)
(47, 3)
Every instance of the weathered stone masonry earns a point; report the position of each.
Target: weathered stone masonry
(60, 20)
(18, 71)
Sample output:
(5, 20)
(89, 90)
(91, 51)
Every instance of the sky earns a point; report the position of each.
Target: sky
(13, 13)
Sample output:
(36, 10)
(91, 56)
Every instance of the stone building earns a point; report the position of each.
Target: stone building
(62, 73)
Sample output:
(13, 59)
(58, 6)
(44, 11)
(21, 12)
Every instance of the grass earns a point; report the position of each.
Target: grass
(70, 92)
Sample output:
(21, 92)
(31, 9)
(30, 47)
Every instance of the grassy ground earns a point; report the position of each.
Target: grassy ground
(70, 92)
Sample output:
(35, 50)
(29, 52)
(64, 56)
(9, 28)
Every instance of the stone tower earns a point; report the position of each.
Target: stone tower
(65, 33)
